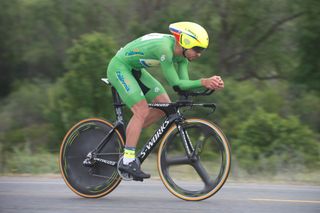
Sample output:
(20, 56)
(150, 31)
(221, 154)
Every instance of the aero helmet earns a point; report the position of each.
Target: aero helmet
(190, 34)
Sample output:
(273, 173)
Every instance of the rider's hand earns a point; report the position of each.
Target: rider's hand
(213, 83)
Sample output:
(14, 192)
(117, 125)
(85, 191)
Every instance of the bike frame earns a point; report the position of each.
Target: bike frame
(173, 116)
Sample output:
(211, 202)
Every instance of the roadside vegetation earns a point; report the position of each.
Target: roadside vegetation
(53, 54)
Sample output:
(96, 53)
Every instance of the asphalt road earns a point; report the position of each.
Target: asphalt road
(44, 194)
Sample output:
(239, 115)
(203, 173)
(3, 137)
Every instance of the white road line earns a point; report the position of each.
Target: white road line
(31, 182)
(288, 201)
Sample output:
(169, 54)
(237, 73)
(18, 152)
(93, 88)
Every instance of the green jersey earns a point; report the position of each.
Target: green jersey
(157, 49)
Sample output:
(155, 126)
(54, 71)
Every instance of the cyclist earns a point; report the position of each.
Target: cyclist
(136, 87)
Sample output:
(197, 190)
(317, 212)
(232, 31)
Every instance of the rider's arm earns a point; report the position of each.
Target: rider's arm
(172, 77)
(183, 69)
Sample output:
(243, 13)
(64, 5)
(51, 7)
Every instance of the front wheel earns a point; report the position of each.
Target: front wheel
(100, 178)
(202, 174)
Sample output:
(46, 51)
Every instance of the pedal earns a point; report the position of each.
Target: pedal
(125, 176)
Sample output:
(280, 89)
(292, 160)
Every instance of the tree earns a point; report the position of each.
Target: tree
(80, 93)
(8, 58)
(308, 71)
(252, 38)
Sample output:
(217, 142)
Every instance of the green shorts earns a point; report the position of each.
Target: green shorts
(133, 85)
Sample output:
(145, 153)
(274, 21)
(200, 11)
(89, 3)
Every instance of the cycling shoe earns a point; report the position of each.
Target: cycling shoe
(133, 168)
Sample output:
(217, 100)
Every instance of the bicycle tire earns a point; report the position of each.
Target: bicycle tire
(192, 180)
(83, 137)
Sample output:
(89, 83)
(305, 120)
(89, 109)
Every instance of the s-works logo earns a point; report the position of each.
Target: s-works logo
(153, 141)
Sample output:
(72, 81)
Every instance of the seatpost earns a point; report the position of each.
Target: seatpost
(117, 103)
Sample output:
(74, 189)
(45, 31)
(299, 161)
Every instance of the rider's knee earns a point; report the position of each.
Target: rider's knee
(141, 111)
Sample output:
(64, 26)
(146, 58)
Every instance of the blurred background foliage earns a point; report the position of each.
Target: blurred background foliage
(54, 52)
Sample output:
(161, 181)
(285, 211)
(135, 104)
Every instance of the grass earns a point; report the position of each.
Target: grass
(24, 162)
(44, 163)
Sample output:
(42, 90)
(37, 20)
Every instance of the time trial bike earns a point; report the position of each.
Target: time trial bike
(193, 160)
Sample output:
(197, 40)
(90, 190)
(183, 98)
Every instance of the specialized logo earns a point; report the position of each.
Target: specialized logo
(121, 79)
(155, 137)
(157, 89)
(109, 162)
(163, 58)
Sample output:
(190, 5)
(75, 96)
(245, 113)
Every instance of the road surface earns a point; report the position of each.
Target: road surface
(50, 194)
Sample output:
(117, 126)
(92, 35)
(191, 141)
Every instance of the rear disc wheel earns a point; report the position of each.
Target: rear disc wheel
(100, 178)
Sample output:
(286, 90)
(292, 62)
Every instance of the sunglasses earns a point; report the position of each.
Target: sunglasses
(198, 49)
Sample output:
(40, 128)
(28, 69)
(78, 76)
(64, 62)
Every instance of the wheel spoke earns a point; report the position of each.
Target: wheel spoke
(177, 161)
(202, 172)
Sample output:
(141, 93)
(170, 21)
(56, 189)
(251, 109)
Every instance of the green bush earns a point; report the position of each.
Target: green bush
(25, 161)
(22, 117)
(267, 143)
